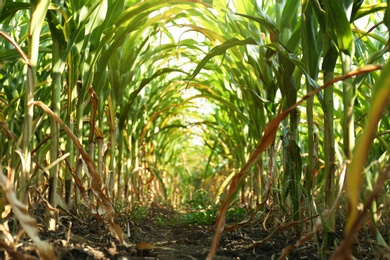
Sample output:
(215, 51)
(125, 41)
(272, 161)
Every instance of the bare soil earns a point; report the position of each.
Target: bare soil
(153, 237)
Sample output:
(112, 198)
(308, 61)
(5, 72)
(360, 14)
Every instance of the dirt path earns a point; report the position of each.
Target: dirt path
(150, 239)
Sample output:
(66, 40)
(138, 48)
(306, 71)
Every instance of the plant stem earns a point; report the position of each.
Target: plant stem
(37, 17)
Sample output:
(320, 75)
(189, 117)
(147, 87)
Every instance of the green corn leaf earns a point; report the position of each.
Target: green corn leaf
(11, 55)
(135, 93)
(365, 10)
(338, 27)
(220, 50)
(267, 22)
(386, 20)
(355, 8)
(295, 39)
(292, 58)
(115, 8)
(309, 39)
(289, 15)
(9, 8)
(57, 33)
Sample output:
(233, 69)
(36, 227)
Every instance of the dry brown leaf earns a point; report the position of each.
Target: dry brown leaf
(102, 200)
(148, 246)
(288, 249)
(14, 254)
(29, 224)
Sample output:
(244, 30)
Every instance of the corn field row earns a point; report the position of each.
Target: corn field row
(260, 104)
